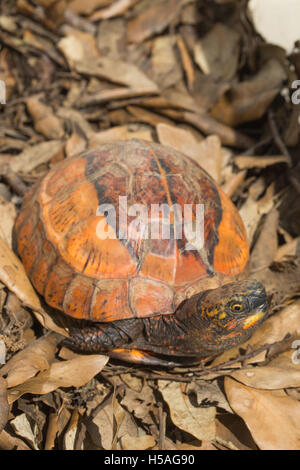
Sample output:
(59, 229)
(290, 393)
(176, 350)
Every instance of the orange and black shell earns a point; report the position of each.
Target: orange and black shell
(90, 277)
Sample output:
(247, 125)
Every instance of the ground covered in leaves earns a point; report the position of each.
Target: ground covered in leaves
(193, 75)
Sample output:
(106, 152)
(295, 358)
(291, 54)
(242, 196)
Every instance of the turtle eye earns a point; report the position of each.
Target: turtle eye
(236, 307)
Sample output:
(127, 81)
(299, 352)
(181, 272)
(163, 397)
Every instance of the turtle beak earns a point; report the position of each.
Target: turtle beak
(258, 306)
(256, 317)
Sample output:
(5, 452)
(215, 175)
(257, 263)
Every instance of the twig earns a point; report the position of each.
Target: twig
(283, 148)
(162, 426)
(15, 182)
(277, 138)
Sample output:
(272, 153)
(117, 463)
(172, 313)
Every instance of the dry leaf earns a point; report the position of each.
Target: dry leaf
(252, 210)
(209, 125)
(88, 6)
(149, 117)
(187, 63)
(115, 9)
(281, 372)
(218, 52)
(2, 352)
(116, 133)
(34, 358)
(77, 120)
(233, 182)
(272, 417)
(166, 70)
(206, 153)
(36, 155)
(8, 214)
(198, 421)
(141, 404)
(4, 406)
(288, 249)
(5, 71)
(78, 46)
(22, 428)
(152, 21)
(13, 275)
(259, 162)
(137, 443)
(73, 373)
(70, 434)
(117, 71)
(45, 121)
(248, 100)
(266, 245)
(8, 442)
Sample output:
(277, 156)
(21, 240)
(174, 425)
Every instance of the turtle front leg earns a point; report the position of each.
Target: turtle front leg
(103, 337)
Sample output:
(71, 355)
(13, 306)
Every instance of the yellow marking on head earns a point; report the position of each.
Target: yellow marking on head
(223, 315)
(252, 320)
(212, 313)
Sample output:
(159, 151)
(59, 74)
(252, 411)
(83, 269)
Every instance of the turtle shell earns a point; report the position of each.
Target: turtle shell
(90, 232)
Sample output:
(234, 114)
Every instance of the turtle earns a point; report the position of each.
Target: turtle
(138, 245)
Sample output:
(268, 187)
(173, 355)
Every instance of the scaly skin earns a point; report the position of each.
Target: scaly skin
(206, 324)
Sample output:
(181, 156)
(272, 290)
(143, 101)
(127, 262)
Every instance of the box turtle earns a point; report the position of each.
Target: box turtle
(137, 243)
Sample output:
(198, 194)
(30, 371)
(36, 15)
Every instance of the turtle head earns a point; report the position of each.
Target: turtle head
(227, 316)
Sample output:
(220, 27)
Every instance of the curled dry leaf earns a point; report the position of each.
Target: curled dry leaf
(272, 417)
(4, 406)
(248, 100)
(200, 422)
(73, 373)
(13, 275)
(34, 358)
(281, 372)
(44, 119)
